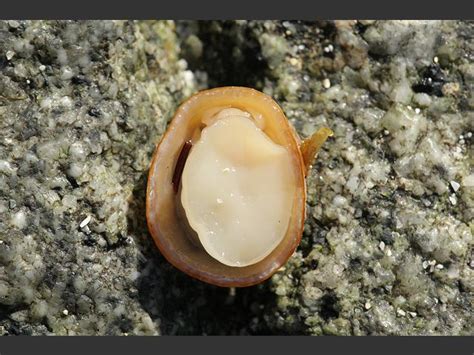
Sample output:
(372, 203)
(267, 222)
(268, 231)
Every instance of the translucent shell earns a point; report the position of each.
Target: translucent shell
(165, 216)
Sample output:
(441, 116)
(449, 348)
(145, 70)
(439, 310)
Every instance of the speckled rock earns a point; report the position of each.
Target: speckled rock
(387, 247)
(82, 105)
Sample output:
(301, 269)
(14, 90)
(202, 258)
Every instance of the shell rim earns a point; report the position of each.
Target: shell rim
(202, 276)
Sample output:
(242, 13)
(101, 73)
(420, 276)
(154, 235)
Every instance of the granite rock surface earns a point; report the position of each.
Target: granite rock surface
(388, 242)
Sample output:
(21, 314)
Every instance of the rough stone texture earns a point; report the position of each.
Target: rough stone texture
(387, 247)
(81, 108)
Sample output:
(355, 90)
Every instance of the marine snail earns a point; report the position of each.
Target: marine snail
(226, 188)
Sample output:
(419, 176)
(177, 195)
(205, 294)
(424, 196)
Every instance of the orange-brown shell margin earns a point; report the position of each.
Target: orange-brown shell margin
(180, 252)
